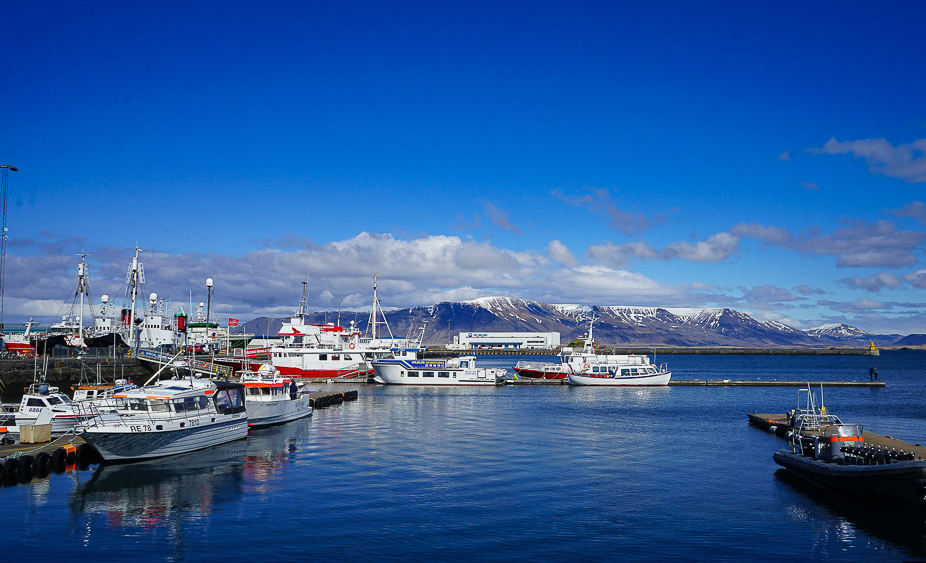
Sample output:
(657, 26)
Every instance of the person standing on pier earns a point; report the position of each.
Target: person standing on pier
(873, 374)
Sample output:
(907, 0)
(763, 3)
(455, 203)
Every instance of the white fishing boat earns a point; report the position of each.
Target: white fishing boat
(455, 371)
(166, 418)
(588, 367)
(40, 397)
(272, 399)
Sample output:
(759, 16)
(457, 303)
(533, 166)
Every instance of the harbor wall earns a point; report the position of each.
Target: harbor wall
(65, 372)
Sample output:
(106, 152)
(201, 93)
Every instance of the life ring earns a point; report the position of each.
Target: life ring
(586, 366)
(351, 345)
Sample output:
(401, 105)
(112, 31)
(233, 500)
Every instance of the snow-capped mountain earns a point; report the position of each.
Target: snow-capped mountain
(614, 325)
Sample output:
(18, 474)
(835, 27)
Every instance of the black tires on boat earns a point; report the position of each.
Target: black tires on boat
(26, 466)
(11, 469)
(42, 464)
(59, 459)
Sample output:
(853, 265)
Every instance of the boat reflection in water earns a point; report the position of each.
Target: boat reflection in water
(166, 494)
(904, 527)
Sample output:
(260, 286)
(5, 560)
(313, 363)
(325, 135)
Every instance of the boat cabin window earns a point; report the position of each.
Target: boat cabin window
(35, 403)
(443, 374)
(158, 405)
(323, 356)
(427, 374)
(135, 404)
(336, 357)
(229, 401)
(625, 372)
(413, 374)
(53, 400)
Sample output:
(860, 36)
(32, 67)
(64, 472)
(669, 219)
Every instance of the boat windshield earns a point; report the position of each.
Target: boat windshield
(844, 430)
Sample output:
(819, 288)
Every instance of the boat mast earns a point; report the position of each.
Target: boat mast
(81, 289)
(301, 312)
(133, 278)
(373, 318)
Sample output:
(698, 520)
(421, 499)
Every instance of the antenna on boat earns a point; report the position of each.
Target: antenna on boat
(301, 312)
(374, 318)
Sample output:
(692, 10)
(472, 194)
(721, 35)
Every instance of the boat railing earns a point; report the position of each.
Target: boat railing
(112, 412)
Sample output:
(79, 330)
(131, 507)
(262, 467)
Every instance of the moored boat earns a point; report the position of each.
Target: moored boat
(834, 455)
(272, 399)
(588, 367)
(40, 397)
(624, 374)
(455, 371)
(331, 351)
(166, 418)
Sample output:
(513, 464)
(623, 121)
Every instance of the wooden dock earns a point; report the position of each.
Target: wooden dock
(778, 424)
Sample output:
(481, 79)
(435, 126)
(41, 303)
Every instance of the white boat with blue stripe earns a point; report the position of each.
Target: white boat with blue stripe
(454, 371)
(167, 418)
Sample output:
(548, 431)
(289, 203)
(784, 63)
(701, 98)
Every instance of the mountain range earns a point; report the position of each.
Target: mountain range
(614, 326)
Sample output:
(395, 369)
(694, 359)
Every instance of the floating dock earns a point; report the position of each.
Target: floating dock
(778, 424)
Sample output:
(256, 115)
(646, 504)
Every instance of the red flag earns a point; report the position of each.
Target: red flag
(232, 322)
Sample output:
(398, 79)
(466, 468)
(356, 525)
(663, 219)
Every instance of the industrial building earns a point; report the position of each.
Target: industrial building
(505, 341)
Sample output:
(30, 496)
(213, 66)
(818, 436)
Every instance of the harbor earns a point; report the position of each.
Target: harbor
(413, 439)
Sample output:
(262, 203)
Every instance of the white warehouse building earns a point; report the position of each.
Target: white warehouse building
(505, 340)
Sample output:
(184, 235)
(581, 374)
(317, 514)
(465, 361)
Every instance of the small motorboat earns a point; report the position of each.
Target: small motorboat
(272, 399)
(834, 455)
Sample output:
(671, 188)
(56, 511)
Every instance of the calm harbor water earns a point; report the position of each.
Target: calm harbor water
(498, 474)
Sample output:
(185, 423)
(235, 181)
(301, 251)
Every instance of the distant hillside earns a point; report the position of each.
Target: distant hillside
(615, 326)
(912, 340)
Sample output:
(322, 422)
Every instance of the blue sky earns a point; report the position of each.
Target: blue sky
(764, 157)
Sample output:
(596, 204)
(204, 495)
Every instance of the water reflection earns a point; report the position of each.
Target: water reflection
(905, 528)
(168, 493)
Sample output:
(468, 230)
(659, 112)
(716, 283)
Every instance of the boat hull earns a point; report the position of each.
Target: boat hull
(535, 373)
(289, 371)
(400, 372)
(903, 483)
(269, 413)
(656, 379)
(122, 443)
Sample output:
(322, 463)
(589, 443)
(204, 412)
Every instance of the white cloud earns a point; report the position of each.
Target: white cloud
(715, 249)
(561, 253)
(874, 282)
(906, 162)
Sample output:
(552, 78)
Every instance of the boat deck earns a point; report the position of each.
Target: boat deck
(778, 423)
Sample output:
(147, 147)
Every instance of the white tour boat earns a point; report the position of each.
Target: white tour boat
(588, 367)
(455, 371)
(167, 418)
(271, 398)
(623, 374)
